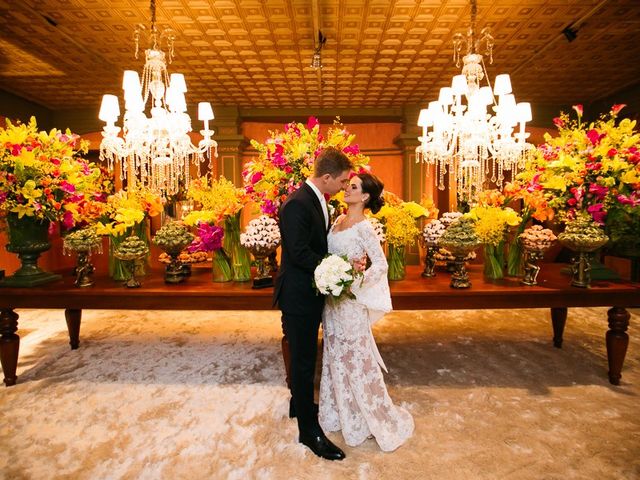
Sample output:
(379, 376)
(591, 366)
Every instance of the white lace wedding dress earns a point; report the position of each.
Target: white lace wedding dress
(353, 395)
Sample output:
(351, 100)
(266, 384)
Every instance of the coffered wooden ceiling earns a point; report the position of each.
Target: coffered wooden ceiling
(257, 53)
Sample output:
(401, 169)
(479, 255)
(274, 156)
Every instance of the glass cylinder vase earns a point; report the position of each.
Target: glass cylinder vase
(221, 267)
(238, 255)
(397, 262)
(515, 259)
(493, 261)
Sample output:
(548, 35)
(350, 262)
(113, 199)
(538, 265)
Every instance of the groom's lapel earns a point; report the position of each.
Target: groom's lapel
(316, 204)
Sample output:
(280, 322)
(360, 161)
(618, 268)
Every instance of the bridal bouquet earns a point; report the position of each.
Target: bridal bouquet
(334, 277)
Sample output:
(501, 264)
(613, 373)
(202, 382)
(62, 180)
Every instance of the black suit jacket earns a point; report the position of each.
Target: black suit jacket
(304, 245)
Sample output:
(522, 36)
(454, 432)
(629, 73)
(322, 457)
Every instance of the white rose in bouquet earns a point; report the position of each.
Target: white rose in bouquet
(334, 275)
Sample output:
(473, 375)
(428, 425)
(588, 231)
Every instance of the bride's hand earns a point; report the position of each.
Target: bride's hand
(360, 264)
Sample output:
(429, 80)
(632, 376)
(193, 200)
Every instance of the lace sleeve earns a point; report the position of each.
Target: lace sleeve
(378, 269)
(373, 292)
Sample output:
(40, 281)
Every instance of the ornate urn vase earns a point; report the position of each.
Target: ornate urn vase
(430, 259)
(460, 239)
(534, 242)
(82, 242)
(581, 261)
(172, 238)
(263, 278)
(28, 237)
(583, 236)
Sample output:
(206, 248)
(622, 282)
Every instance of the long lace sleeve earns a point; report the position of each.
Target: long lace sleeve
(373, 292)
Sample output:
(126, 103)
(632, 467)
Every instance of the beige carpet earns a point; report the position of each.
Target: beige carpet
(201, 395)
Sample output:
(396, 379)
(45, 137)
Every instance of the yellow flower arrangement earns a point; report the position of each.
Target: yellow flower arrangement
(43, 176)
(128, 208)
(218, 199)
(400, 220)
(492, 222)
(592, 168)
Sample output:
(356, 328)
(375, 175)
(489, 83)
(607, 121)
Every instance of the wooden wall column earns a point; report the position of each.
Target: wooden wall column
(231, 144)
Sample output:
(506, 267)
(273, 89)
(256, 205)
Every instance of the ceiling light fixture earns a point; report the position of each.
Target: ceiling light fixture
(154, 151)
(465, 140)
(316, 60)
(570, 33)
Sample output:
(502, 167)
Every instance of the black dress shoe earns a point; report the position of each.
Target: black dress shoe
(292, 409)
(322, 447)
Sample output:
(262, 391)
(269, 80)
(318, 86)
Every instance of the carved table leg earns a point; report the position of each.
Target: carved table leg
(617, 342)
(558, 319)
(73, 326)
(9, 345)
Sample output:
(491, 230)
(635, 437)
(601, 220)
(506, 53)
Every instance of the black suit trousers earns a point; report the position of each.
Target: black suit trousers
(302, 334)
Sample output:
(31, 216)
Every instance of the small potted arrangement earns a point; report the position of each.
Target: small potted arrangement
(83, 242)
(583, 236)
(460, 239)
(431, 233)
(172, 238)
(261, 238)
(535, 241)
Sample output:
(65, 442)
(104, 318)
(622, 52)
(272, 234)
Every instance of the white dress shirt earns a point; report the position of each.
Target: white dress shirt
(323, 202)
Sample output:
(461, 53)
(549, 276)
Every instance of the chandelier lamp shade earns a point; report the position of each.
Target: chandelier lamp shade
(464, 139)
(154, 150)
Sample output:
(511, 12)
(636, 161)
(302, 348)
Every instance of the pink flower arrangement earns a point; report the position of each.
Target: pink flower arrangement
(209, 238)
(286, 159)
(592, 168)
(42, 175)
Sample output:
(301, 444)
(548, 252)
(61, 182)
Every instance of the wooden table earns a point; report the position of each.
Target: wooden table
(413, 293)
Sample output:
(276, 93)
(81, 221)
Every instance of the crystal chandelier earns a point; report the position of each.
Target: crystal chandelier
(154, 151)
(472, 145)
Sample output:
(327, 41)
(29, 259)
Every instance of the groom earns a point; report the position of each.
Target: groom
(304, 222)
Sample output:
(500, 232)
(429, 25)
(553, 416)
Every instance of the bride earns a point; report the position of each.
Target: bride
(353, 395)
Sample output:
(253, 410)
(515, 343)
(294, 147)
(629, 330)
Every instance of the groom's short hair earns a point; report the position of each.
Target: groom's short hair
(331, 161)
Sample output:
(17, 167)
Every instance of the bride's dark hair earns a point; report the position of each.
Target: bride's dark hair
(373, 186)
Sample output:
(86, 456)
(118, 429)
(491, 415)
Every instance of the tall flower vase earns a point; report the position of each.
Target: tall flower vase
(515, 255)
(28, 237)
(118, 269)
(239, 255)
(397, 262)
(221, 267)
(493, 261)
